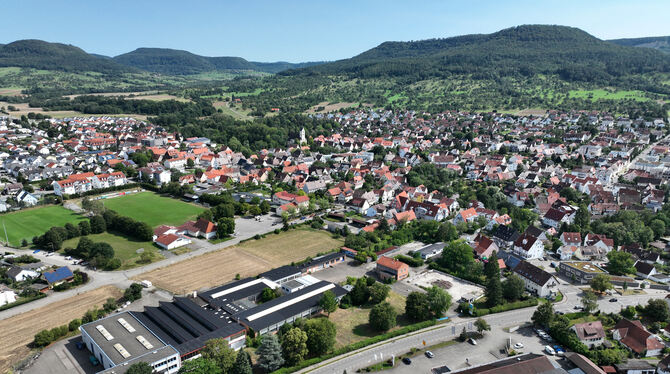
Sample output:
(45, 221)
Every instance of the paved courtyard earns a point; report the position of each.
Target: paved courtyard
(457, 288)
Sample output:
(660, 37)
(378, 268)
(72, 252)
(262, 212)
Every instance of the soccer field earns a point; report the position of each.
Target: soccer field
(153, 209)
(25, 224)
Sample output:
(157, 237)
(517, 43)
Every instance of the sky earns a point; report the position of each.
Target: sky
(307, 30)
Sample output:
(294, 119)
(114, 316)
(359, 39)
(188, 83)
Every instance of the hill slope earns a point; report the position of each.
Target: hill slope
(530, 66)
(519, 51)
(178, 62)
(661, 43)
(39, 54)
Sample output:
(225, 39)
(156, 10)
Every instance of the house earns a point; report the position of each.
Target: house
(200, 228)
(599, 240)
(581, 272)
(567, 252)
(505, 236)
(663, 366)
(571, 238)
(528, 247)
(644, 269)
(483, 246)
(171, 241)
(536, 280)
(555, 217)
(466, 215)
(26, 198)
(58, 276)
(636, 338)
(590, 334)
(7, 295)
(391, 268)
(20, 274)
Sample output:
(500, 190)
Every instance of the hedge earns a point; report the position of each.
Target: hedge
(97, 191)
(411, 261)
(356, 346)
(478, 312)
(23, 301)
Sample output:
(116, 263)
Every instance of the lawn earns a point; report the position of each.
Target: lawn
(153, 209)
(352, 323)
(124, 249)
(27, 223)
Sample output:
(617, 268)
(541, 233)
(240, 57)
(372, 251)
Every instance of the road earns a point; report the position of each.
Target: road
(436, 334)
(245, 228)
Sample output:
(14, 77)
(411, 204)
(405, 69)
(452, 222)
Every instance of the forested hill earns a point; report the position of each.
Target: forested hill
(178, 62)
(39, 54)
(515, 52)
(661, 43)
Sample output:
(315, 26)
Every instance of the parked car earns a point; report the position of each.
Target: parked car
(577, 307)
(407, 361)
(429, 354)
(518, 346)
(472, 341)
(614, 300)
(68, 257)
(549, 350)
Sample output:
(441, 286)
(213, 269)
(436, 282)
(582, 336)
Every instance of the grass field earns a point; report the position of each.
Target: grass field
(291, 246)
(124, 249)
(153, 209)
(27, 223)
(248, 259)
(352, 324)
(18, 331)
(608, 95)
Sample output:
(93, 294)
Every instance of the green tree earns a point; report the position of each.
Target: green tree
(378, 292)
(481, 325)
(543, 315)
(417, 306)
(492, 269)
(268, 294)
(294, 346)
(225, 227)
(199, 366)
(265, 207)
(382, 317)
(84, 227)
(242, 363)
(457, 257)
(320, 335)
(657, 310)
(439, 301)
(513, 288)
(360, 294)
(218, 351)
(140, 368)
(134, 292)
(270, 353)
(589, 301)
(620, 263)
(43, 338)
(601, 283)
(328, 302)
(493, 292)
(98, 224)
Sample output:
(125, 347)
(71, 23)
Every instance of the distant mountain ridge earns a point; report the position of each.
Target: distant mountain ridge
(661, 43)
(179, 62)
(39, 54)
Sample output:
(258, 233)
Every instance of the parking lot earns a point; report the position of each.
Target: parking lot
(487, 349)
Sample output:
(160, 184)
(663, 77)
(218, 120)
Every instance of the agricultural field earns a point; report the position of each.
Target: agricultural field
(125, 249)
(352, 323)
(17, 332)
(247, 259)
(291, 246)
(153, 209)
(27, 223)
(235, 112)
(608, 95)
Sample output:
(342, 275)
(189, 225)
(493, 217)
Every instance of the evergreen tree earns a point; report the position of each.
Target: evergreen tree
(242, 363)
(270, 353)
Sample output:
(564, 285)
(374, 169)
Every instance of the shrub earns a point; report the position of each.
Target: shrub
(411, 261)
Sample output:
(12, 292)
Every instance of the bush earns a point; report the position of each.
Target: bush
(134, 292)
(478, 312)
(411, 261)
(74, 324)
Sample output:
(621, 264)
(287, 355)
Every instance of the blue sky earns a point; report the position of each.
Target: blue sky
(275, 30)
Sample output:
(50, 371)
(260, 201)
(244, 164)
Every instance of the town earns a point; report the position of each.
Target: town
(458, 221)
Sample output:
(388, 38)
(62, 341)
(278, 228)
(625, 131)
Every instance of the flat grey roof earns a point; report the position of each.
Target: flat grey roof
(127, 339)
